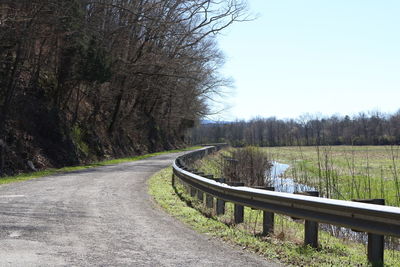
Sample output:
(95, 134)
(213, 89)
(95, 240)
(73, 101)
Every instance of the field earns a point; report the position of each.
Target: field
(344, 172)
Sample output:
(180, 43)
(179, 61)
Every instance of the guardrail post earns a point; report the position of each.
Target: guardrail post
(268, 218)
(200, 195)
(238, 211)
(209, 201)
(220, 203)
(209, 198)
(311, 227)
(193, 191)
(376, 244)
(238, 216)
(186, 185)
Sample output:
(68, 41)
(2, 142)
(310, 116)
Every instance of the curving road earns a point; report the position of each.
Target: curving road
(102, 217)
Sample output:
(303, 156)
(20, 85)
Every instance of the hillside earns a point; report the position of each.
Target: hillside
(82, 81)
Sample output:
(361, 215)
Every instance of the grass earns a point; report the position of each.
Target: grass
(345, 172)
(285, 245)
(47, 172)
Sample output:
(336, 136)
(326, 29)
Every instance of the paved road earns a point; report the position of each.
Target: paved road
(102, 217)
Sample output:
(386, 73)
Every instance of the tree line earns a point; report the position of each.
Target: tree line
(362, 129)
(93, 78)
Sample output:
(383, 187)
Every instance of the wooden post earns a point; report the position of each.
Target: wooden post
(185, 186)
(200, 195)
(238, 214)
(209, 201)
(220, 203)
(193, 191)
(220, 207)
(268, 218)
(311, 227)
(311, 233)
(173, 180)
(209, 198)
(376, 246)
(376, 243)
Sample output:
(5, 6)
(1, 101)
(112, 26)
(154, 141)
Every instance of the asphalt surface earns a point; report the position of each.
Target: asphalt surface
(102, 217)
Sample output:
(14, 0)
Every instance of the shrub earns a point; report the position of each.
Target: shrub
(247, 165)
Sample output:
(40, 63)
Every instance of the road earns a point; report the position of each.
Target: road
(102, 217)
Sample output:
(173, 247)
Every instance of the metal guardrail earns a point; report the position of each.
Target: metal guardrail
(376, 220)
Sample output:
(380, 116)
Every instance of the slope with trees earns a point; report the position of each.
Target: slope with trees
(82, 80)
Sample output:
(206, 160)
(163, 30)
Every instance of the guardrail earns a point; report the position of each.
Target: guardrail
(378, 221)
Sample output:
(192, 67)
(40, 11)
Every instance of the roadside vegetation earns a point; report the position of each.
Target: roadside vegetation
(246, 165)
(47, 172)
(284, 245)
(338, 172)
(344, 172)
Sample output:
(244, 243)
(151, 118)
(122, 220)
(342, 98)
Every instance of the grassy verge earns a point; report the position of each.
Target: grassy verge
(284, 246)
(28, 176)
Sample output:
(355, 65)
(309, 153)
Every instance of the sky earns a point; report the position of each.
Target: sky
(320, 57)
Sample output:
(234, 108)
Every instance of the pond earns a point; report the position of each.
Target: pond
(274, 177)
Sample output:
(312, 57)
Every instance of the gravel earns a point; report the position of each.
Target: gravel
(103, 217)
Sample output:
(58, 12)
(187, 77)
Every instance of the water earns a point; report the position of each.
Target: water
(287, 185)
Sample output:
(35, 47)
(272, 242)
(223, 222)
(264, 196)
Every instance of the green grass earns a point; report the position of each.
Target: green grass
(284, 246)
(345, 172)
(47, 172)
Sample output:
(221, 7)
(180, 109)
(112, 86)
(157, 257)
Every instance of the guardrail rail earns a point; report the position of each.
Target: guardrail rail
(377, 220)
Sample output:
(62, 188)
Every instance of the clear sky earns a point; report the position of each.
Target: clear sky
(314, 56)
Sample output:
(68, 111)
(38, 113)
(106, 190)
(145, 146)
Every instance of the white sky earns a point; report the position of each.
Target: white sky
(313, 56)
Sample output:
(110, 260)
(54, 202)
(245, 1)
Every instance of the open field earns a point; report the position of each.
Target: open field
(344, 172)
